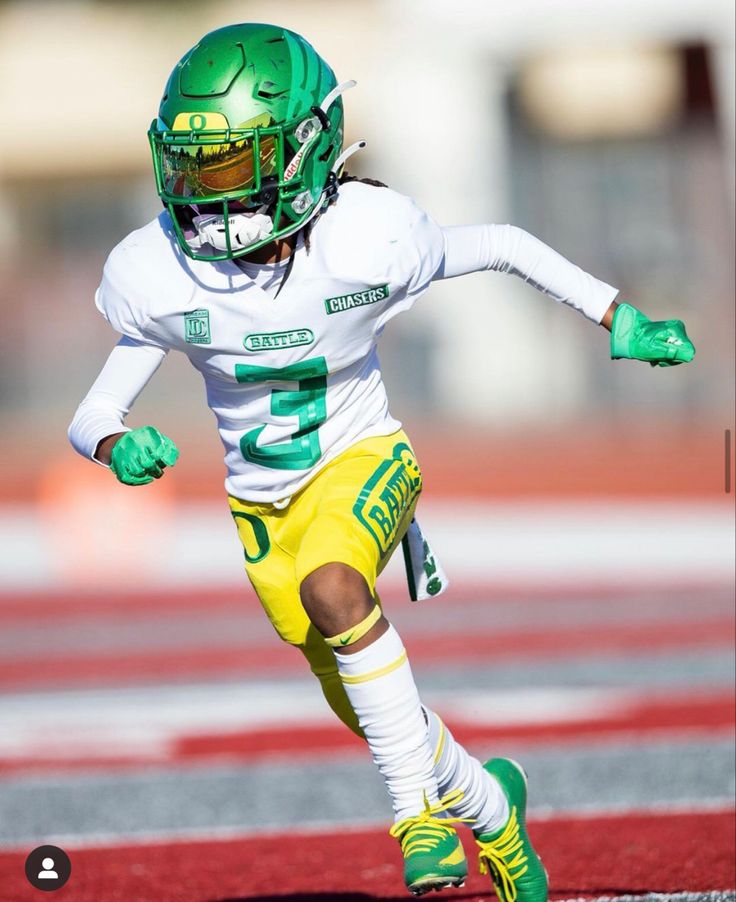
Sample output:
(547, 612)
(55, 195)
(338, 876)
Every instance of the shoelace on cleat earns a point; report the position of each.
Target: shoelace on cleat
(500, 855)
(423, 832)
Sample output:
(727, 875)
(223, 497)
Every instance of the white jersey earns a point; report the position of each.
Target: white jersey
(292, 380)
(292, 376)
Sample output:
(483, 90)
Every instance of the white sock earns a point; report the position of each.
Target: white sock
(454, 768)
(380, 686)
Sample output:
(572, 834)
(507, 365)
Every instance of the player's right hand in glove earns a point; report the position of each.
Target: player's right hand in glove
(636, 337)
(140, 456)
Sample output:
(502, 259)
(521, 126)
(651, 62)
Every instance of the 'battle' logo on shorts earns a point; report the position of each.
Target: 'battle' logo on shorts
(388, 495)
(359, 299)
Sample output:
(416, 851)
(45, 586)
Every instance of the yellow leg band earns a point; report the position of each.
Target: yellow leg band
(355, 632)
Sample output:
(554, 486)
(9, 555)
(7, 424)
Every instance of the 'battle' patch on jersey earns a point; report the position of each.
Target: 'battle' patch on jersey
(388, 495)
(358, 299)
(197, 327)
(273, 341)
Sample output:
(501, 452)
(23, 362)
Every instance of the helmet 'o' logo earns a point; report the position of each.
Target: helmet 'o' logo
(194, 121)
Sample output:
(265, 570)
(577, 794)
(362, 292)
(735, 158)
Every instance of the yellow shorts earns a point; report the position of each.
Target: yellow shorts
(354, 511)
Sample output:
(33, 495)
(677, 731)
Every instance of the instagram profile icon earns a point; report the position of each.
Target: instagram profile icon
(48, 868)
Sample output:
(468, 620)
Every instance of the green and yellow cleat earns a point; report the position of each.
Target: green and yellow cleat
(433, 854)
(516, 870)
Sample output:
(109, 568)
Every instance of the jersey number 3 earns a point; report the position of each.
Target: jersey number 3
(307, 402)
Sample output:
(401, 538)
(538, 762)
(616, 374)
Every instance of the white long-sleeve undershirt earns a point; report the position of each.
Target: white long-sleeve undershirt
(509, 249)
(126, 373)
(503, 248)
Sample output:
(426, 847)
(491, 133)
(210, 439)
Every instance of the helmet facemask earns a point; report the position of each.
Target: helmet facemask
(231, 191)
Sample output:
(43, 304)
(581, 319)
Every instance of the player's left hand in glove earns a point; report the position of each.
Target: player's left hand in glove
(636, 337)
(140, 456)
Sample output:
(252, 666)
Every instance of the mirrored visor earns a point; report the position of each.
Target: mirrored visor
(206, 170)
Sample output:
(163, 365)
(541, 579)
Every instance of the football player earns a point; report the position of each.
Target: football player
(276, 275)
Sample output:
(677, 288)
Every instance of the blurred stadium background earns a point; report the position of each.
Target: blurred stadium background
(150, 722)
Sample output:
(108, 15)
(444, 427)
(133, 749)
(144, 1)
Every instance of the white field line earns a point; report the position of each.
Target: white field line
(196, 544)
(325, 828)
(147, 723)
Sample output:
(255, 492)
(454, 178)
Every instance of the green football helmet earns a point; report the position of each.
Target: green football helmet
(247, 144)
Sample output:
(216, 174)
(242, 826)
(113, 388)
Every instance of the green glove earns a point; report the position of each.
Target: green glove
(140, 456)
(636, 337)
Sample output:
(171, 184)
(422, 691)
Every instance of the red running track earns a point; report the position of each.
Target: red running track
(242, 659)
(586, 857)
